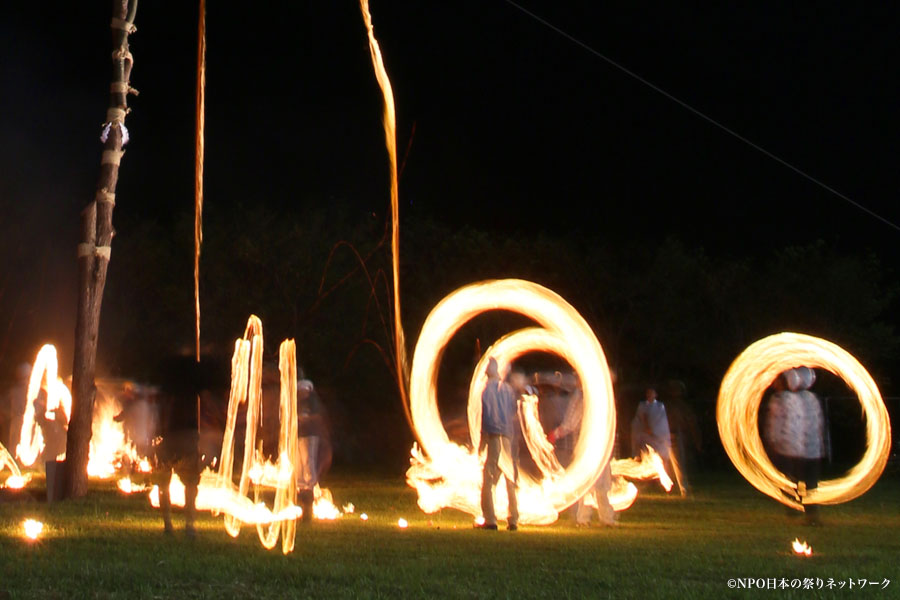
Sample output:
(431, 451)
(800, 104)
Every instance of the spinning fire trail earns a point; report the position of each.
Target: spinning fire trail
(738, 415)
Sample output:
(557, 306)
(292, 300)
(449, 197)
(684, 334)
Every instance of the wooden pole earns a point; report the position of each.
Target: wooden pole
(94, 253)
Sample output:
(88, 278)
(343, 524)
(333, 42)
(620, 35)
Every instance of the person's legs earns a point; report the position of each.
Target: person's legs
(489, 479)
(605, 510)
(307, 455)
(680, 478)
(809, 471)
(162, 479)
(512, 520)
(582, 513)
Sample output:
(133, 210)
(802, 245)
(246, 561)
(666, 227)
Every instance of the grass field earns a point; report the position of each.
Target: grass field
(109, 545)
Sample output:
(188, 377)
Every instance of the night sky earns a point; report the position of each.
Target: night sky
(503, 122)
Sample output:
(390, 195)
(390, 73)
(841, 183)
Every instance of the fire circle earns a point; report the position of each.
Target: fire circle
(562, 331)
(737, 414)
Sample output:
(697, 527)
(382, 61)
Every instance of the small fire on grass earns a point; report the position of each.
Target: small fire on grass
(402, 523)
(801, 548)
(32, 528)
(364, 517)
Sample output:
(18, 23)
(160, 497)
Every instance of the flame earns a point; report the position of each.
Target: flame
(801, 548)
(129, 487)
(43, 376)
(15, 480)
(364, 517)
(738, 414)
(649, 466)
(348, 508)
(402, 523)
(109, 447)
(32, 528)
(446, 474)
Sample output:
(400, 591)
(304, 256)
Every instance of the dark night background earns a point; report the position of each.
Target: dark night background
(524, 154)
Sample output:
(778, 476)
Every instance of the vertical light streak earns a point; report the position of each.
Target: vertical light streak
(198, 164)
(390, 137)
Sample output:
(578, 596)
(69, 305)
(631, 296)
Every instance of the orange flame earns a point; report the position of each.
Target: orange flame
(801, 548)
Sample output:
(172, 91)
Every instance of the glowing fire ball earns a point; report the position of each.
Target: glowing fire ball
(32, 528)
(738, 414)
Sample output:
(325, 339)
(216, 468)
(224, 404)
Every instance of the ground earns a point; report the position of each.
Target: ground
(110, 545)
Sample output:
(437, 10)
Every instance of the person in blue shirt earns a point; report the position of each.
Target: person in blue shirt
(498, 415)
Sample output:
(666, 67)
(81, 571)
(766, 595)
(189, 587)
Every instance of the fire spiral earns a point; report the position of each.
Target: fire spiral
(562, 332)
(738, 412)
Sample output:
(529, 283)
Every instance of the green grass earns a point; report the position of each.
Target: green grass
(110, 545)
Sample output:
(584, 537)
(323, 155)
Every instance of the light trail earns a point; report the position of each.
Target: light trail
(738, 414)
(43, 376)
(217, 491)
(447, 474)
(389, 121)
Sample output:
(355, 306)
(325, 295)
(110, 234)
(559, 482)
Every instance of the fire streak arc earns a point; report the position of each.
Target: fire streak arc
(563, 332)
(738, 414)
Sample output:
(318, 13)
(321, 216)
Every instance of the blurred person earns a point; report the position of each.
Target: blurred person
(794, 431)
(177, 448)
(138, 417)
(312, 445)
(498, 417)
(555, 405)
(650, 427)
(571, 428)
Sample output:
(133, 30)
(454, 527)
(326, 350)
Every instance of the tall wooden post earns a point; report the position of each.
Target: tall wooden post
(94, 252)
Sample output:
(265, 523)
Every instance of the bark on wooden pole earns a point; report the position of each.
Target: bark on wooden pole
(94, 252)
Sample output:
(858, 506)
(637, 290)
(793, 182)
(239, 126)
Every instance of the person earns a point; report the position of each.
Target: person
(650, 427)
(794, 432)
(498, 416)
(570, 427)
(312, 434)
(178, 448)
